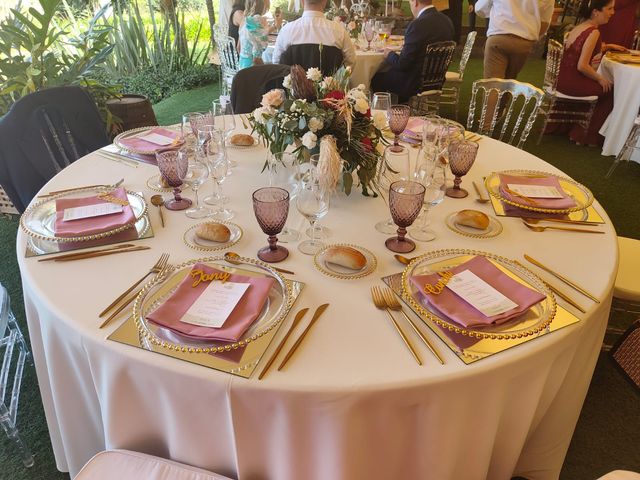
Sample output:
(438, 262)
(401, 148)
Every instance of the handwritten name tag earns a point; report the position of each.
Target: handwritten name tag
(199, 276)
(437, 289)
(215, 304)
(479, 294)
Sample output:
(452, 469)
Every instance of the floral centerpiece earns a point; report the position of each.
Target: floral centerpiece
(315, 111)
(348, 19)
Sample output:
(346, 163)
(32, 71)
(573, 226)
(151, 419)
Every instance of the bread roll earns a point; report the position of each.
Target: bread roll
(346, 257)
(473, 219)
(242, 140)
(213, 232)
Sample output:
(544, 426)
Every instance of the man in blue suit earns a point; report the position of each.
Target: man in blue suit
(400, 74)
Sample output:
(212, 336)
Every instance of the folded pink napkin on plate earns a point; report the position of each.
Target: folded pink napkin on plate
(136, 143)
(247, 310)
(461, 312)
(551, 203)
(93, 225)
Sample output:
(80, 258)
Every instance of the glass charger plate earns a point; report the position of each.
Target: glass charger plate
(134, 132)
(338, 271)
(157, 291)
(155, 183)
(39, 219)
(581, 194)
(493, 230)
(535, 320)
(192, 240)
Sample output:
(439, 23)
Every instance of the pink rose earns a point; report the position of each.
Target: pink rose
(274, 99)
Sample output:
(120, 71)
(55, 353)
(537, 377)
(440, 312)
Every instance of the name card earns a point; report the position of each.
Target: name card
(88, 211)
(479, 294)
(535, 191)
(215, 304)
(157, 139)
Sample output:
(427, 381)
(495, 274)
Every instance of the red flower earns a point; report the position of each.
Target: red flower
(368, 144)
(368, 114)
(335, 95)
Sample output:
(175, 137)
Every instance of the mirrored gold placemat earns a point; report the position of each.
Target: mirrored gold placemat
(588, 215)
(241, 362)
(470, 350)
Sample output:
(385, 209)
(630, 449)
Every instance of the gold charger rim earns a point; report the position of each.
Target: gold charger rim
(150, 186)
(474, 333)
(367, 270)
(577, 208)
(214, 248)
(117, 141)
(491, 234)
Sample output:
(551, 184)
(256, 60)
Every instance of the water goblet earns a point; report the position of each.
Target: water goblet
(398, 116)
(405, 201)
(173, 165)
(197, 173)
(430, 172)
(393, 166)
(462, 155)
(312, 201)
(271, 206)
(369, 33)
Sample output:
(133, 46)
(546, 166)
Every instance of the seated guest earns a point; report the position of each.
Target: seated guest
(235, 20)
(253, 33)
(578, 77)
(401, 74)
(314, 28)
(622, 25)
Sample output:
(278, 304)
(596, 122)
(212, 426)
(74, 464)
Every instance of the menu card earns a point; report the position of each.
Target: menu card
(89, 211)
(215, 304)
(482, 296)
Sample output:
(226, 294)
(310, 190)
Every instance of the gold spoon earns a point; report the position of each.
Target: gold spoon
(232, 256)
(404, 260)
(480, 199)
(158, 201)
(542, 229)
(535, 221)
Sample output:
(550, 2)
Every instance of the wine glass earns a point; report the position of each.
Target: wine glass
(312, 201)
(173, 166)
(318, 231)
(394, 166)
(405, 201)
(369, 33)
(196, 175)
(190, 123)
(271, 206)
(398, 116)
(284, 173)
(462, 155)
(381, 101)
(430, 172)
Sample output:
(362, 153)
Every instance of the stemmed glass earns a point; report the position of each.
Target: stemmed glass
(394, 166)
(398, 116)
(405, 200)
(271, 206)
(381, 101)
(173, 165)
(318, 231)
(369, 33)
(284, 173)
(312, 201)
(211, 143)
(462, 155)
(192, 121)
(223, 120)
(196, 175)
(430, 172)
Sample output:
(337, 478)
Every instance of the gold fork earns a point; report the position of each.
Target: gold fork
(379, 302)
(160, 264)
(393, 303)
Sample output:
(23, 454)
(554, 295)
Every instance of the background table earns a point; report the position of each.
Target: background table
(352, 403)
(626, 105)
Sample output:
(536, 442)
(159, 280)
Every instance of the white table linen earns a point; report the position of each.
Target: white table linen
(626, 105)
(351, 403)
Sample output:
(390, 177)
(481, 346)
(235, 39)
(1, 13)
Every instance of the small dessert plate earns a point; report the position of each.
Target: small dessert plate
(493, 230)
(338, 271)
(155, 183)
(193, 241)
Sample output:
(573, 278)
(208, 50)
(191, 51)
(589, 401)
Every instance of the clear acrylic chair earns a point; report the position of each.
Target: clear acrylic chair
(518, 105)
(631, 143)
(15, 353)
(556, 106)
(453, 79)
(229, 60)
(635, 44)
(437, 59)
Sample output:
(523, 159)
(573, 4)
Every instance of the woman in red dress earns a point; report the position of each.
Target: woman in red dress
(622, 25)
(578, 75)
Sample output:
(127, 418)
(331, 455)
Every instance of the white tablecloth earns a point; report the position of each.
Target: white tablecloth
(626, 105)
(352, 404)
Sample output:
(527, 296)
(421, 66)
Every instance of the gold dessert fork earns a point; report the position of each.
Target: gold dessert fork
(379, 302)
(393, 303)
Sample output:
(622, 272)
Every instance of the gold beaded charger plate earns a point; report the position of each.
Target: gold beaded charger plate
(337, 271)
(238, 358)
(134, 132)
(155, 183)
(493, 230)
(193, 241)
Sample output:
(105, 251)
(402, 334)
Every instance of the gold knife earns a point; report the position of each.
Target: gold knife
(100, 254)
(296, 320)
(560, 277)
(82, 254)
(562, 220)
(315, 317)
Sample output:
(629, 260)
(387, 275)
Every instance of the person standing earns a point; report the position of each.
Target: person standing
(514, 28)
(454, 12)
(235, 20)
(253, 33)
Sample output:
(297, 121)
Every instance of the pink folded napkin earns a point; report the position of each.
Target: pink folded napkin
(455, 308)
(551, 203)
(247, 310)
(94, 225)
(136, 143)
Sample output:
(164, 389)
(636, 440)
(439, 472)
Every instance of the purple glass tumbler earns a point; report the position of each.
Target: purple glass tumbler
(271, 206)
(405, 203)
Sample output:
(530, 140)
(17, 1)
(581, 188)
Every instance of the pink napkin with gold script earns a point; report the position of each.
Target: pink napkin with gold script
(551, 203)
(93, 225)
(137, 143)
(461, 312)
(168, 314)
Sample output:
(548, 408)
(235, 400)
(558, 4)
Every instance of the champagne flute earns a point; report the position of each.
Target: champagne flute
(312, 201)
(224, 120)
(405, 201)
(196, 175)
(271, 207)
(210, 143)
(318, 231)
(284, 173)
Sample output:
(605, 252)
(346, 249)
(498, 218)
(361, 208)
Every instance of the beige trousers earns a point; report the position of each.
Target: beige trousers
(505, 55)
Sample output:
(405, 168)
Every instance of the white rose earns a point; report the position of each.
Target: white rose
(315, 124)
(260, 113)
(286, 83)
(309, 140)
(361, 87)
(379, 120)
(314, 74)
(361, 105)
(327, 83)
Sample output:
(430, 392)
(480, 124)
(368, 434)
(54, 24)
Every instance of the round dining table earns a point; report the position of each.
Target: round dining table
(351, 403)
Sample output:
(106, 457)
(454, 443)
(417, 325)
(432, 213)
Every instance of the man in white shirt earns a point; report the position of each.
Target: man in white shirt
(314, 28)
(514, 27)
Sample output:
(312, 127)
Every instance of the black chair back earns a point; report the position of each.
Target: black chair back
(43, 133)
(437, 59)
(307, 55)
(251, 83)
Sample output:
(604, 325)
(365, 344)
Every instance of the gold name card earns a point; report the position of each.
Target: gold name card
(199, 276)
(437, 289)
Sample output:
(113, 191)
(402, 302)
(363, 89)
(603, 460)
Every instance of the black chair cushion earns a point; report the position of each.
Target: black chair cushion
(307, 55)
